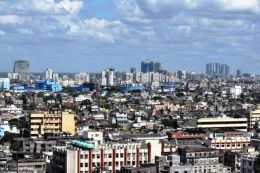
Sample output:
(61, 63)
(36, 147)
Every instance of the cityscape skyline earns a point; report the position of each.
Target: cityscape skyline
(148, 62)
(91, 35)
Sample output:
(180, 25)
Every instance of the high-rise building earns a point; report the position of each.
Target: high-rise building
(144, 66)
(239, 73)
(55, 77)
(5, 83)
(217, 69)
(81, 78)
(48, 74)
(107, 77)
(21, 67)
(21, 70)
(133, 70)
(150, 66)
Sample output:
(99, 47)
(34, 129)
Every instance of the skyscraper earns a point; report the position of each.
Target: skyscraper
(145, 66)
(150, 66)
(217, 69)
(21, 67)
(239, 73)
(81, 78)
(48, 74)
(107, 77)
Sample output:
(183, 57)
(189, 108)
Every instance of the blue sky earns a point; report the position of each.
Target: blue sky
(91, 35)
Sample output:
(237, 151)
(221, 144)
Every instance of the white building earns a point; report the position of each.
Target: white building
(11, 109)
(81, 78)
(107, 78)
(55, 77)
(48, 74)
(234, 91)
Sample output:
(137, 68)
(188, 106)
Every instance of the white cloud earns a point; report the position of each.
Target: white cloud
(10, 19)
(2, 33)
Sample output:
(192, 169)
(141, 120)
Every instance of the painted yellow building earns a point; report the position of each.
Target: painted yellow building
(52, 122)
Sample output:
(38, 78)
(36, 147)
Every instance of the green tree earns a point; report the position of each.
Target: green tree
(16, 146)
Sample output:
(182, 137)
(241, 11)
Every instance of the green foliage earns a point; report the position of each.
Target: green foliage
(40, 95)
(16, 146)
(257, 165)
(9, 137)
(170, 123)
(19, 123)
(86, 103)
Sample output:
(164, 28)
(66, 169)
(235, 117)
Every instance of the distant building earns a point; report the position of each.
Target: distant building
(48, 74)
(239, 73)
(4, 84)
(54, 122)
(81, 78)
(150, 66)
(107, 77)
(131, 87)
(133, 70)
(217, 69)
(55, 77)
(21, 67)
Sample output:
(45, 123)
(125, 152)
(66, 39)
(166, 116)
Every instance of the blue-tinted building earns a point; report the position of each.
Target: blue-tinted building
(80, 89)
(5, 83)
(168, 87)
(40, 86)
(131, 87)
(2, 132)
(48, 85)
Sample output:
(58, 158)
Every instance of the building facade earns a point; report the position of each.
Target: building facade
(52, 122)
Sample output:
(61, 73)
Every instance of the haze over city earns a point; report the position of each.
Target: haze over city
(90, 35)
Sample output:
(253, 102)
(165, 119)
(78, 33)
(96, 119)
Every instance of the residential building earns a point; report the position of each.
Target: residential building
(48, 74)
(81, 78)
(203, 159)
(230, 140)
(51, 122)
(83, 156)
(254, 117)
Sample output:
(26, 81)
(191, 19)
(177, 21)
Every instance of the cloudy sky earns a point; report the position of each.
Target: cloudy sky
(90, 35)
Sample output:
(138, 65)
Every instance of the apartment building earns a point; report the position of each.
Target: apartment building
(85, 157)
(223, 123)
(229, 141)
(203, 159)
(54, 122)
(254, 117)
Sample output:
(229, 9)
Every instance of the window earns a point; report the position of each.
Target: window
(81, 164)
(110, 163)
(98, 156)
(117, 155)
(110, 155)
(121, 155)
(86, 164)
(81, 156)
